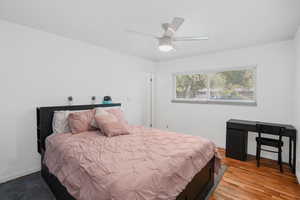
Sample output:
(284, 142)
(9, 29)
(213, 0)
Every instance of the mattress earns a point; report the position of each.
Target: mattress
(147, 164)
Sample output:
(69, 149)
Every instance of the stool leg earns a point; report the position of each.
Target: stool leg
(290, 152)
(280, 159)
(256, 152)
(257, 155)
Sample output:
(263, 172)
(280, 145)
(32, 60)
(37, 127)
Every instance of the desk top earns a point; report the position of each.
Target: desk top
(253, 123)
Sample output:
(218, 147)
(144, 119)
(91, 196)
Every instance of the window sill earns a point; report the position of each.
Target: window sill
(221, 102)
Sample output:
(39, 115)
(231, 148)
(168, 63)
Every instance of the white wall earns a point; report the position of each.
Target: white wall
(41, 69)
(275, 63)
(297, 98)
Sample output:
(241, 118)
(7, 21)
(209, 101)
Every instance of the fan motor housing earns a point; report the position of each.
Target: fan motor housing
(165, 40)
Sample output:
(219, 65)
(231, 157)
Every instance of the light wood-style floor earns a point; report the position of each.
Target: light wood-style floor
(244, 181)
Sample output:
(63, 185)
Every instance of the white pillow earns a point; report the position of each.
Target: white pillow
(60, 123)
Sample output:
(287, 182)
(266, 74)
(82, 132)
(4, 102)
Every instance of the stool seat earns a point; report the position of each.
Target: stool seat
(269, 142)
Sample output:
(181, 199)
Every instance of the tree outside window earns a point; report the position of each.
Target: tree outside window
(231, 85)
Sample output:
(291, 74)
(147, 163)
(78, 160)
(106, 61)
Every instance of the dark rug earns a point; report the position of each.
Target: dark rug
(30, 187)
(33, 187)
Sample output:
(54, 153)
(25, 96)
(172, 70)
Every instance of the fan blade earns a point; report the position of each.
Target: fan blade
(176, 23)
(169, 31)
(190, 38)
(142, 34)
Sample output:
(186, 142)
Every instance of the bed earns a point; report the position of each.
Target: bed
(181, 180)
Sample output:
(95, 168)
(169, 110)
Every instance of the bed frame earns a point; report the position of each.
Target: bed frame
(197, 189)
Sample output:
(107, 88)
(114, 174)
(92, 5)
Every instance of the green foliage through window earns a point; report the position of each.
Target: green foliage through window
(226, 85)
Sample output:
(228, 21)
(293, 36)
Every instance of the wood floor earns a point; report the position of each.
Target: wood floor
(244, 181)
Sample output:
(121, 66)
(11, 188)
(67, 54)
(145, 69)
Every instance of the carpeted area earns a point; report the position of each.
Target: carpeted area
(30, 187)
(33, 187)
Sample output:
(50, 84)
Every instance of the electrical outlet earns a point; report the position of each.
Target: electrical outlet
(167, 126)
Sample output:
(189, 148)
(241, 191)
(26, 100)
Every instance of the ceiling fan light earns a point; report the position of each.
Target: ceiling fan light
(165, 47)
(165, 44)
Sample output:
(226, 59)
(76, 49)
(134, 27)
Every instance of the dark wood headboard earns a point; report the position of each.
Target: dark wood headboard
(44, 116)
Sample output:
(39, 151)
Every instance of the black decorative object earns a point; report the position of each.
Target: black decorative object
(93, 98)
(70, 100)
(107, 100)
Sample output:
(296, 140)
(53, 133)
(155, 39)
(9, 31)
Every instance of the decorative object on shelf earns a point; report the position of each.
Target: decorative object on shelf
(107, 100)
(70, 100)
(93, 100)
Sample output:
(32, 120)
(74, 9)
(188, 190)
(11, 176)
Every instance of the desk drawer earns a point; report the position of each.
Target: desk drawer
(236, 144)
(248, 127)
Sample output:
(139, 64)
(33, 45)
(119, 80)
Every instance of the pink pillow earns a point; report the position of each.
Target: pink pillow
(104, 115)
(110, 125)
(81, 121)
(117, 112)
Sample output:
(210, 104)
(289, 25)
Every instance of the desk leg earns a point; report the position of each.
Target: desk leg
(290, 152)
(294, 156)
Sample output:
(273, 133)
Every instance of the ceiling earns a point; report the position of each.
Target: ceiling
(229, 24)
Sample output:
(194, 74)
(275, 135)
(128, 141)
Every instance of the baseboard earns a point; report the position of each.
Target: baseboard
(18, 175)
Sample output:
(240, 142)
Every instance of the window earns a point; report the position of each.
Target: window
(231, 86)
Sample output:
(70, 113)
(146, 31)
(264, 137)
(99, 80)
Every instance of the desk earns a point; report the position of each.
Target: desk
(237, 139)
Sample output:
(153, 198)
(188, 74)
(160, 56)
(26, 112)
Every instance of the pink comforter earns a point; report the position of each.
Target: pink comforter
(148, 164)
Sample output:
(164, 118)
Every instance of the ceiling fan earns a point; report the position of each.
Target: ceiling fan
(165, 42)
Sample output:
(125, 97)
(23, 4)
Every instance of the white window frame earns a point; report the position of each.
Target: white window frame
(217, 101)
